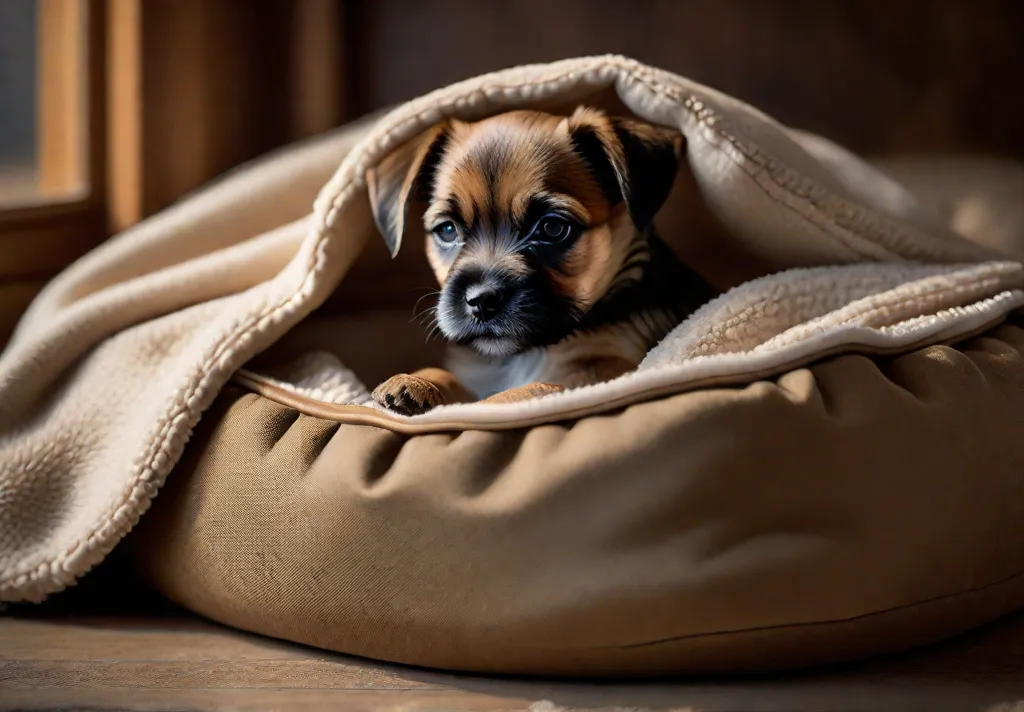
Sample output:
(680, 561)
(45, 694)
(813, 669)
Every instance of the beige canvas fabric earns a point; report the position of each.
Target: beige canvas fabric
(116, 361)
(854, 507)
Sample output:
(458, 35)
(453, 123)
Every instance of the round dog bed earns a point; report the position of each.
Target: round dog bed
(848, 508)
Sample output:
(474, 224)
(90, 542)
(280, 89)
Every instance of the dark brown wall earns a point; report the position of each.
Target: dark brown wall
(877, 75)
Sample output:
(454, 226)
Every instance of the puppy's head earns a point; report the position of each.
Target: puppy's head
(531, 219)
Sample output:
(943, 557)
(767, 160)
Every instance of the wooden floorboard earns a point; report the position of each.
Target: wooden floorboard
(186, 664)
(129, 652)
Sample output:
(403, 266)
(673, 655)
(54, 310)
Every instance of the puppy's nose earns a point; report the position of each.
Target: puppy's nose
(484, 302)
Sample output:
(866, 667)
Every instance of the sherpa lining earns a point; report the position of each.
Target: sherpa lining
(115, 362)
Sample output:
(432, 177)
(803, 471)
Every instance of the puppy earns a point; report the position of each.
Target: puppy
(539, 230)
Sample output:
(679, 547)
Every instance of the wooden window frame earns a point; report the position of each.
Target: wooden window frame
(198, 86)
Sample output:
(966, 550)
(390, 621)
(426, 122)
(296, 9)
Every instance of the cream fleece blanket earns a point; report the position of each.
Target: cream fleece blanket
(116, 360)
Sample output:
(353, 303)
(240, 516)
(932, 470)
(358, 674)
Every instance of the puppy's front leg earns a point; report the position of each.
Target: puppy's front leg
(567, 374)
(527, 392)
(415, 393)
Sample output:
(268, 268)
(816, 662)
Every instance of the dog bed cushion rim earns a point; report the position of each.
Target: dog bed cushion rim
(514, 416)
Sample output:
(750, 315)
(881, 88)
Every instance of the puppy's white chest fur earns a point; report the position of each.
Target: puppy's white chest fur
(486, 376)
(579, 359)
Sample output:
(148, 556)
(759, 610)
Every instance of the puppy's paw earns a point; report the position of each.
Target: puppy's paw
(530, 390)
(408, 395)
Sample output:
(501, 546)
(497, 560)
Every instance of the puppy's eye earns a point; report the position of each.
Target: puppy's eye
(552, 229)
(447, 233)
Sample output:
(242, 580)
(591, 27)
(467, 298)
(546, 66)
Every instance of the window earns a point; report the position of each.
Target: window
(51, 161)
(111, 110)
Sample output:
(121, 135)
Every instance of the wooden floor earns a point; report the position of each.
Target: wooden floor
(135, 653)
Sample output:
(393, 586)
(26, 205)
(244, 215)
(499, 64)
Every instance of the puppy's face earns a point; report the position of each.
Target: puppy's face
(531, 218)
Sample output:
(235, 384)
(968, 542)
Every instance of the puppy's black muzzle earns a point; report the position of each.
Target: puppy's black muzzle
(481, 308)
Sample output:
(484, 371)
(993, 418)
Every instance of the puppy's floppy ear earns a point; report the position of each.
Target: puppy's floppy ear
(633, 161)
(405, 173)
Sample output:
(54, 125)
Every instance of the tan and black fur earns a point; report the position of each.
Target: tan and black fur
(539, 231)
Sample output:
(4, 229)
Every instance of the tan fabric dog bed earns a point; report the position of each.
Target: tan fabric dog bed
(819, 464)
(850, 508)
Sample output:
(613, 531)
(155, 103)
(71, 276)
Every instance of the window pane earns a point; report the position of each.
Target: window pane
(17, 100)
(42, 101)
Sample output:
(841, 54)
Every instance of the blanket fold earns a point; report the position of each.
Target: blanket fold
(820, 252)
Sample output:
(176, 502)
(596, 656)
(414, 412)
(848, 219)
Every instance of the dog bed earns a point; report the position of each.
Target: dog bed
(818, 465)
